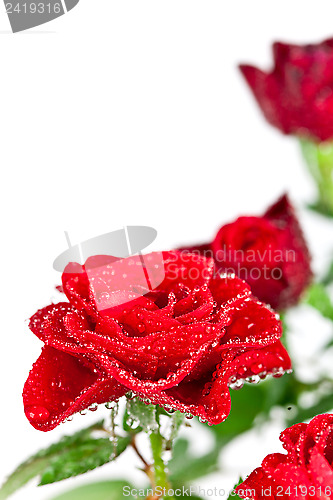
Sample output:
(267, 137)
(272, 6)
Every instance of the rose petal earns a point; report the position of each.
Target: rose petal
(257, 486)
(252, 337)
(321, 474)
(228, 290)
(270, 360)
(172, 358)
(60, 385)
(197, 306)
(55, 311)
(253, 324)
(189, 269)
(291, 480)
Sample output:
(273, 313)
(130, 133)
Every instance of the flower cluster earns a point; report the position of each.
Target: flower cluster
(180, 345)
(179, 329)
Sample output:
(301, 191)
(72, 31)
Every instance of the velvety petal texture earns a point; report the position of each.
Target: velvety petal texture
(180, 344)
(305, 472)
(297, 95)
(268, 252)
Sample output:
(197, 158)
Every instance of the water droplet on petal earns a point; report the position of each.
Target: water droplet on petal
(93, 407)
(277, 372)
(253, 379)
(37, 413)
(257, 368)
(141, 328)
(238, 384)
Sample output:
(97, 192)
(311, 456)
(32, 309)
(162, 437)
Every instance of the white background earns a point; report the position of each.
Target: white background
(133, 112)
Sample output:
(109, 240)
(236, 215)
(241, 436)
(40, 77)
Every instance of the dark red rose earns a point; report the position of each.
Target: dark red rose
(268, 252)
(180, 345)
(296, 96)
(305, 472)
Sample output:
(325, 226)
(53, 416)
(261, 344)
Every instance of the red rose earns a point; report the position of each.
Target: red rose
(268, 252)
(296, 96)
(306, 472)
(180, 345)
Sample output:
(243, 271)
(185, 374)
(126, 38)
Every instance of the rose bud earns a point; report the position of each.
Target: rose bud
(297, 98)
(268, 252)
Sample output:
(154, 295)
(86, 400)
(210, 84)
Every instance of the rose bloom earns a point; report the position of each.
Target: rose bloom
(305, 472)
(180, 345)
(296, 96)
(268, 252)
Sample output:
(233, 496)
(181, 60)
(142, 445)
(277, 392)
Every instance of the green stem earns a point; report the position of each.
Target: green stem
(160, 473)
(319, 158)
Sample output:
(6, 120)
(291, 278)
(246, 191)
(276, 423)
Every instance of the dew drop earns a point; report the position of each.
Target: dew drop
(257, 368)
(277, 372)
(253, 379)
(242, 371)
(237, 385)
(111, 405)
(93, 407)
(37, 413)
(169, 409)
(141, 328)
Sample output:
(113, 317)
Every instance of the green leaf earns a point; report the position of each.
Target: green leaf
(142, 414)
(232, 493)
(318, 297)
(107, 490)
(22, 475)
(71, 456)
(86, 456)
(184, 468)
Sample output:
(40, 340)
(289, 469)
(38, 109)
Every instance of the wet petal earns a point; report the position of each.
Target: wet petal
(228, 290)
(321, 473)
(60, 385)
(197, 306)
(253, 324)
(271, 360)
(189, 269)
(257, 486)
(54, 310)
(174, 361)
